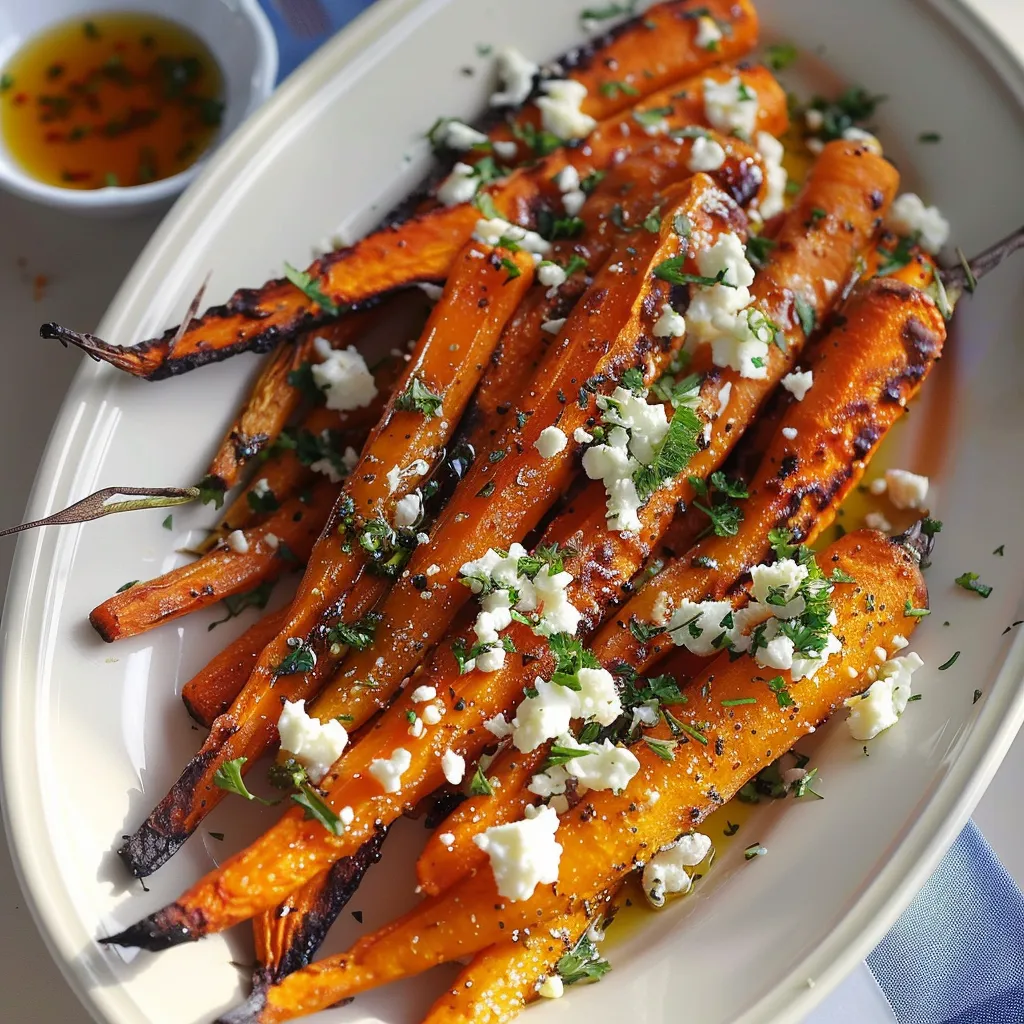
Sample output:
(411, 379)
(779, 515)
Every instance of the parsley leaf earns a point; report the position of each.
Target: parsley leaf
(778, 687)
(665, 749)
(357, 635)
(301, 658)
(235, 604)
(229, 778)
(805, 314)
(417, 397)
(311, 289)
(781, 56)
(969, 581)
(671, 270)
(317, 809)
(633, 379)
(582, 963)
(676, 449)
(644, 632)
(479, 785)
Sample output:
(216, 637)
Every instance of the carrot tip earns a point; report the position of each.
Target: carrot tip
(148, 848)
(248, 1012)
(171, 926)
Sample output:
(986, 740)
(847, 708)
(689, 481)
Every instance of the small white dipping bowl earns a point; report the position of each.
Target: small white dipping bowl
(238, 35)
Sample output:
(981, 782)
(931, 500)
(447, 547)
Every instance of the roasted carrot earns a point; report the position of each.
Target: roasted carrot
(643, 55)
(865, 372)
(448, 360)
(287, 939)
(282, 542)
(420, 250)
(503, 497)
(607, 835)
(850, 182)
(268, 407)
(502, 979)
(210, 691)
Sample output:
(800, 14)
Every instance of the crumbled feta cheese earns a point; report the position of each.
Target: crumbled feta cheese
(906, 490)
(665, 872)
(328, 469)
(432, 291)
(709, 35)
(459, 187)
(908, 215)
(343, 376)
(798, 383)
(553, 326)
(237, 541)
(899, 641)
(724, 393)
(789, 433)
(573, 201)
(878, 486)
(447, 839)
(731, 106)
(314, 744)
(516, 73)
(551, 987)
(422, 694)
(550, 442)
(670, 324)
(453, 766)
(706, 154)
(347, 816)
(637, 428)
(695, 626)
(272, 541)
(560, 109)
(458, 136)
(498, 726)
(433, 713)
(581, 436)
(523, 854)
(877, 521)
(605, 767)
(548, 714)
(772, 152)
(781, 582)
(396, 474)
(567, 179)
(814, 119)
(261, 488)
(866, 139)
(492, 231)
(505, 150)
(881, 705)
(416, 728)
(408, 510)
(551, 275)
(388, 771)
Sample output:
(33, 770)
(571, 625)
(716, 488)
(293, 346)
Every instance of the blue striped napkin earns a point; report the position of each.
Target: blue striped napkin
(956, 956)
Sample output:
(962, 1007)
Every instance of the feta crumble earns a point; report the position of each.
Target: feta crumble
(881, 705)
(798, 383)
(604, 766)
(523, 854)
(388, 771)
(547, 714)
(457, 136)
(772, 152)
(459, 187)
(670, 324)
(906, 490)
(453, 766)
(491, 231)
(706, 154)
(560, 109)
(343, 376)
(550, 442)
(408, 510)
(908, 215)
(709, 35)
(516, 73)
(314, 744)
(551, 987)
(551, 275)
(877, 521)
(237, 541)
(731, 106)
(553, 326)
(665, 873)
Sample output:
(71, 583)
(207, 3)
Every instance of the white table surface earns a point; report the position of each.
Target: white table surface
(84, 261)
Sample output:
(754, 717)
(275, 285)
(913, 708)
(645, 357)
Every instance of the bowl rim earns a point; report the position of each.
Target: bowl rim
(261, 84)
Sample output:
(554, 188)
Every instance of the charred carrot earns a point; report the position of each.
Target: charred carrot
(210, 691)
(420, 250)
(502, 979)
(865, 373)
(503, 497)
(267, 409)
(445, 366)
(279, 544)
(604, 838)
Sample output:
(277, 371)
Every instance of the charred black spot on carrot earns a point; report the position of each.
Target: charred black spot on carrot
(171, 926)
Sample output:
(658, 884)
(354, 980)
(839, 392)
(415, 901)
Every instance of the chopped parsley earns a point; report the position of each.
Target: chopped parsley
(950, 662)
(582, 963)
(235, 604)
(929, 137)
(853, 107)
(311, 289)
(479, 784)
(778, 687)
(301, 658)
(910, 612)
(758, 248)
(674, 452)
(417, 397)
(261, 502)
(970, 581)
(644, 632)
(613, 89)
(229, 778)
(665, 749)
(781, 56)
(388, 549)
(357, 635)
(754, 850)
(671, 270)
(317, 809)
(805, 314)
(736, 702)
(127, 586)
